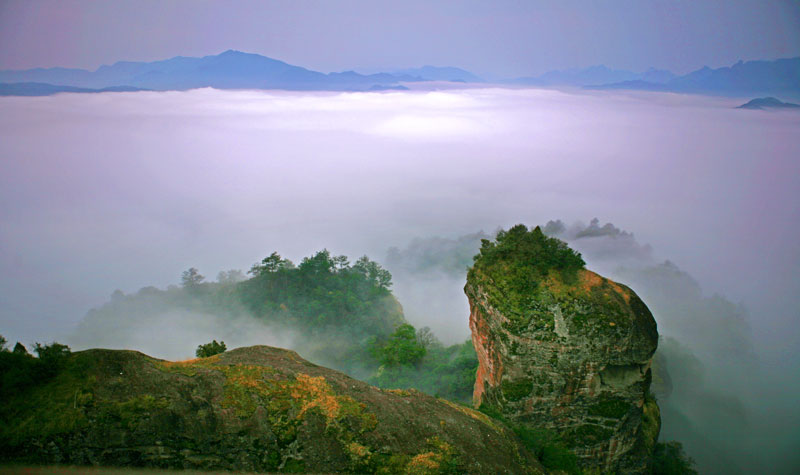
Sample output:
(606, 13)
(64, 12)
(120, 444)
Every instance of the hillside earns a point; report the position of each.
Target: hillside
(337, 314)
(563, 371)
(256, 408)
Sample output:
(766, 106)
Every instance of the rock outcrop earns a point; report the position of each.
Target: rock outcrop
(251, 409)
(563, 348)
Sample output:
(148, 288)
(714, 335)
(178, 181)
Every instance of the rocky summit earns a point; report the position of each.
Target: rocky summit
(251, 409)
(563, 348)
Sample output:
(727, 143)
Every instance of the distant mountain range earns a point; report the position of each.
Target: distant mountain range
(594, 75)
(781, 76)
(44, 89)
(437, 73)
(237, 70)
(228, 70)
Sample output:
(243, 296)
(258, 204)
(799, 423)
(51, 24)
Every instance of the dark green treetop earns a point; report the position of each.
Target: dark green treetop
(210, 349)
(517, 261)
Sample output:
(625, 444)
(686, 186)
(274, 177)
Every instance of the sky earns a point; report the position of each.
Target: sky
(505, 38)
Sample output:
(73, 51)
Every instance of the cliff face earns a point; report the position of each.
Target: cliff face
(571, 352)
(250, 409)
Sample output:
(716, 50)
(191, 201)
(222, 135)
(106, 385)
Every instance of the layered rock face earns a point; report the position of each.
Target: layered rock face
(563, 348)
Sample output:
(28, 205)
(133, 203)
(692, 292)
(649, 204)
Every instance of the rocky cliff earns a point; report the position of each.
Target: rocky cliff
(250, 409)
(563, 348)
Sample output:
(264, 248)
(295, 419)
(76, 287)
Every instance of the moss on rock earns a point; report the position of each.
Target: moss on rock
(250, 409)
(562, 348)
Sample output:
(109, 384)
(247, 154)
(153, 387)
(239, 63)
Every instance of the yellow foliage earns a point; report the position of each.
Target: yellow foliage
(315, 392)
(190, 362)
(423, 463)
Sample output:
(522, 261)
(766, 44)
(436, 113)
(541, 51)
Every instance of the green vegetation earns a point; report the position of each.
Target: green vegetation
(191, 278)
(549, 449)
(609, 407)
(400, 349)
(322, 292)
(210, 349)
(547, 446)
(341, 315)
(42, 396)
(670, 459)
(516, 389)
(447, 372)
(516, 262)
(586, 434)
(19, 369)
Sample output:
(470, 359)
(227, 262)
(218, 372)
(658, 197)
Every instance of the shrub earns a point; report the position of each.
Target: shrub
(544, 444)
(210, 349)
(670, 459)
(516, 262)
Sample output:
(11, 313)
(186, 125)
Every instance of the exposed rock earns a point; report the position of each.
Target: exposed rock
(563, 348)
(250, 409)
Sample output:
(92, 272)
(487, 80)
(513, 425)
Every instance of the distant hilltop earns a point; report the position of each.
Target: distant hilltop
(237, 70)
(768, 103)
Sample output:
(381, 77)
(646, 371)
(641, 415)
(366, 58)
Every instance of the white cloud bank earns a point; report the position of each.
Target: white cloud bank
(123, 190)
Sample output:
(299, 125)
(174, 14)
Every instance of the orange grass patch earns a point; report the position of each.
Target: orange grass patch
(315, 392)
(189, 362)
(424, 462)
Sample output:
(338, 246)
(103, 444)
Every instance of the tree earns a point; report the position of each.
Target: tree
(269, 264)
(373, 272)
(401, 349)
(3, 342)
(53, 351)
(52, 357)
(427, 339)
(20, 349)
(191, 278)
(341, 263)
(230, 277)
(670, 459)
(117, 296)
(320, 263)
(210, 349)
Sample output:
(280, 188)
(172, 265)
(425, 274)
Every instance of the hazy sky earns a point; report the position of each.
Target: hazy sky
(505, 37)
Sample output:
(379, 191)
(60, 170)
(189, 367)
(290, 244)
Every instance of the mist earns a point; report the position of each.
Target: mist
(716, 391)
(126, 190)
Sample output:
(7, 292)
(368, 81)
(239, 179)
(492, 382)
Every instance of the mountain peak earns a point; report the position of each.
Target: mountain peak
(533, 308)
(768, 103)
(234, 52)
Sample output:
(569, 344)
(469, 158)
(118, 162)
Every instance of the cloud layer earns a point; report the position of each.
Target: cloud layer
(124, 190)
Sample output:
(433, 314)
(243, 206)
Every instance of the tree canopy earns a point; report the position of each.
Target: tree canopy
(322, 291)
(532, 250)
(191, 278)
(516, 262)
(210, 349)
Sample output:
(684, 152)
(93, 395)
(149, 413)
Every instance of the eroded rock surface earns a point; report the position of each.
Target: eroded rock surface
(563, 348)
(251, 409)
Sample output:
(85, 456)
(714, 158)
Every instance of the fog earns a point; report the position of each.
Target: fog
(126, 190)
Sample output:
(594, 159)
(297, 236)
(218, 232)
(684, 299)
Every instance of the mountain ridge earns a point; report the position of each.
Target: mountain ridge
(780, 76)
(233, 69)
(228, 70)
